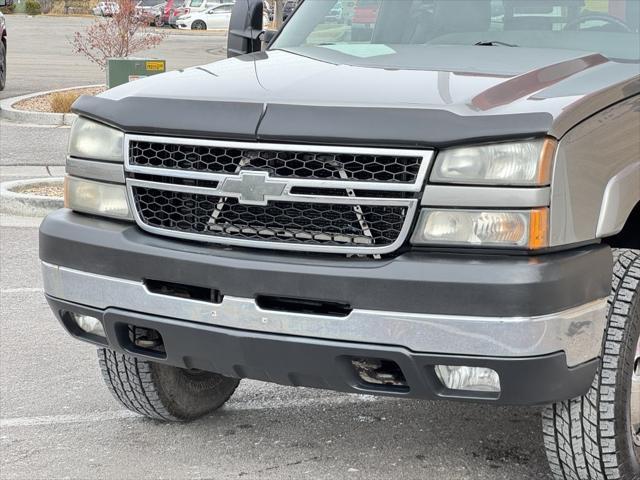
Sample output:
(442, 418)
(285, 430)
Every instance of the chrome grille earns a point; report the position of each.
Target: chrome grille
(295, 222)
(251, 194)
(387, 167)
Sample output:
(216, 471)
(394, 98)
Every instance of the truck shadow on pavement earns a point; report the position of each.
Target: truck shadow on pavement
(285, 432)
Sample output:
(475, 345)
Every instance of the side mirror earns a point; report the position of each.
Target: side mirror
(245, 27)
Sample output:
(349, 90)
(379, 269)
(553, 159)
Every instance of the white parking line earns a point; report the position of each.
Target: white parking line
(58, 419)
(22, 290)
(230, 408)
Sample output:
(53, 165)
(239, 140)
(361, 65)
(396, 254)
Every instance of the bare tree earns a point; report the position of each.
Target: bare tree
(126, 32)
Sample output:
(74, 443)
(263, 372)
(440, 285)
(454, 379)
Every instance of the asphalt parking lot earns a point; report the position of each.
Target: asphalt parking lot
(57, 419)
(40, 55)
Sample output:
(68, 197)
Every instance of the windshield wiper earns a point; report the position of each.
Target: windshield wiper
(494, 43)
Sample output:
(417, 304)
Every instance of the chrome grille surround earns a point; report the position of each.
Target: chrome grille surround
(278, 190)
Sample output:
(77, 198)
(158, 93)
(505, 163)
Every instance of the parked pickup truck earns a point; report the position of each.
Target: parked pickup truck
(449, 209)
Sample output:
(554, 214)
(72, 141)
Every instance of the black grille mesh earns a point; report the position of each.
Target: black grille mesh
(309, 165)
(293, 222)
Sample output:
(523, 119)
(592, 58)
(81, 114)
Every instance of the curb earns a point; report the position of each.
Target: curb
(214, 32)
(28, 205)
(7, 112)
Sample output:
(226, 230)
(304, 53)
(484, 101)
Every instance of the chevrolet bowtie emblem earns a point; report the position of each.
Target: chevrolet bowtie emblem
(253, 188)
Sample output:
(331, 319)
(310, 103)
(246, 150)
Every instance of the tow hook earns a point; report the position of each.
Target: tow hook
(377, 371)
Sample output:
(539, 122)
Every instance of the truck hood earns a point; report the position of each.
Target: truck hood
(449, 94)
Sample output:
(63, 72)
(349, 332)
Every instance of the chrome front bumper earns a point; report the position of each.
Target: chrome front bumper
(577, 332)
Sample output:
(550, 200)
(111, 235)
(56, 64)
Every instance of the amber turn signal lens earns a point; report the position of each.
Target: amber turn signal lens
(538, 228)
(545, 164)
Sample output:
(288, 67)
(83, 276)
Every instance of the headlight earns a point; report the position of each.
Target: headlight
(93, 140)
(105, 199)
(517, 163)
(492, 228)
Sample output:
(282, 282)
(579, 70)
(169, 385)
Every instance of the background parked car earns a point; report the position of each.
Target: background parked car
(217, 17)
(366, 12)
(150, 9)
(167, 10)
(195, 6)
(172, 10)
(288, 8)
(335, 14)
(3, 52)
(105, 9)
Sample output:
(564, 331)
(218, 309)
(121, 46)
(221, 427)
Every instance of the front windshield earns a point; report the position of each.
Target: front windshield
(369, 28)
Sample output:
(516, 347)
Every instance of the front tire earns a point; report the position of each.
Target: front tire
(163, 392)
(198, 25)
(596, 437)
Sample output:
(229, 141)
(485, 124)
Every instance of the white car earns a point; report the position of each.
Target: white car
(216, 17)
(106, 9)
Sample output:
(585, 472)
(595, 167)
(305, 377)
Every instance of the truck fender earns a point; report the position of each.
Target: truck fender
(620, 197)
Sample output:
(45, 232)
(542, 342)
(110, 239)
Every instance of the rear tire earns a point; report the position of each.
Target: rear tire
(592, 437)
(163, 392)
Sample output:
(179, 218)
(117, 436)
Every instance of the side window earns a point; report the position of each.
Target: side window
(196, 3)
(224, 9)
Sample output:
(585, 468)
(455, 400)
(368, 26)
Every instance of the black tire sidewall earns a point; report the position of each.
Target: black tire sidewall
(623, 388)
(198, 25)
(627, 459)
(190, 396)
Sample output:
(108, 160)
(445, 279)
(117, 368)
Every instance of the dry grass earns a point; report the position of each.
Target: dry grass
(61, 101)
(58, 102)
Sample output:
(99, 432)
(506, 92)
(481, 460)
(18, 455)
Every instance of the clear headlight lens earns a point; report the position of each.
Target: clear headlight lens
(93, 140)
(98, 198)
(516, 163)
(525, 229)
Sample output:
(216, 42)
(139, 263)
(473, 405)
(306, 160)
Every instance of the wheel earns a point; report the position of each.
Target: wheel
(163, 392)
(3, 65)
(198, 25)
(597, 436)
(159, 22)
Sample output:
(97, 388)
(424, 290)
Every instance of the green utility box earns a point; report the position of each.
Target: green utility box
(123, 70)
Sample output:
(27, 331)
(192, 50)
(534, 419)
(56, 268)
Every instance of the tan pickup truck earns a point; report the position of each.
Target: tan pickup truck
(441, 204)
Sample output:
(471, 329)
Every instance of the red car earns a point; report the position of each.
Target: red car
(172, 10)
(366, 12)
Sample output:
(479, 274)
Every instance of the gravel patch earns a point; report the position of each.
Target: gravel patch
(42, 103)
(44, 190)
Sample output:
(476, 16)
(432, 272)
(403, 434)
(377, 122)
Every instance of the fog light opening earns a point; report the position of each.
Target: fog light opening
(88, 324)
(462, 378)
(380, 372)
